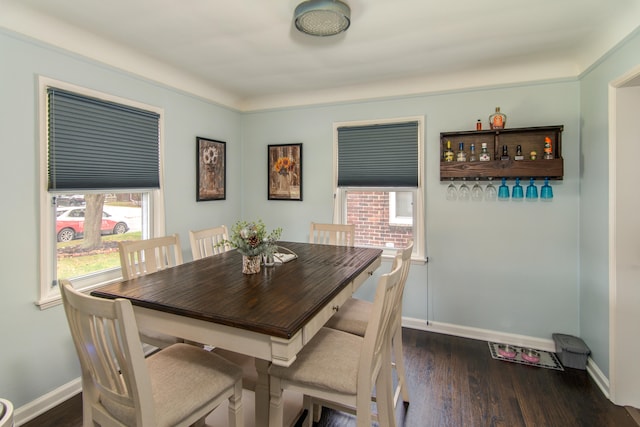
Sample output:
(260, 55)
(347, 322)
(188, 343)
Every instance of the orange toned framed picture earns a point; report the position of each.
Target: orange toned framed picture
(211, 164)
(284, 170)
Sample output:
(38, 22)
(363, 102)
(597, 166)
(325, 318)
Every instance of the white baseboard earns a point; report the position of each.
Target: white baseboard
(600, 379)
(50, 400)
(480, 334)
(44, 403)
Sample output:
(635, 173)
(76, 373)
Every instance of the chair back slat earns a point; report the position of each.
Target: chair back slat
(140, 257)
(332, 234)
(208, 242)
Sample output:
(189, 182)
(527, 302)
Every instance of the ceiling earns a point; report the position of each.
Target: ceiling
(246, 54)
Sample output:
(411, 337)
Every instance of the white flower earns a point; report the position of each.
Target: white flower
(210, 155)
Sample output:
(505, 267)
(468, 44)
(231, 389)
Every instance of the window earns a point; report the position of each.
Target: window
(379, 181)
(100, 180)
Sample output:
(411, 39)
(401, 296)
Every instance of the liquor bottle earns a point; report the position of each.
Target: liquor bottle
(518, 155)
(448, 153)
(484, 154)
(548, 150)
(497, 120)
(472, 153)
(505, 153)
(461, 156)
(478, 125)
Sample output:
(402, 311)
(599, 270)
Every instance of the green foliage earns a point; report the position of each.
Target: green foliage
(251, 238)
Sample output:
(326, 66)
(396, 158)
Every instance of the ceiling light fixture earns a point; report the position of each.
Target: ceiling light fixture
(322, 17)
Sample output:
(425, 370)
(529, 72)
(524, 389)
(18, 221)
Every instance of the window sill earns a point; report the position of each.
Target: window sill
(49, 301)
(415, 260)
(53, 298)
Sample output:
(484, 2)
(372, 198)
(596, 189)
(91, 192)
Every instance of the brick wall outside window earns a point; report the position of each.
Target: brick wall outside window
(369, 211)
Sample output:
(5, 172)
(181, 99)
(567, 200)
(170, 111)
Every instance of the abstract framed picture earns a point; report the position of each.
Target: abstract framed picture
(211, 165)
(284, 169)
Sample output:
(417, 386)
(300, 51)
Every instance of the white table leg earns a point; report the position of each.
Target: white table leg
(262, 393)
(276, 404)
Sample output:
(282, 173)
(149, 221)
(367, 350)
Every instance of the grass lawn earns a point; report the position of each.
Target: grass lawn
(73, 261)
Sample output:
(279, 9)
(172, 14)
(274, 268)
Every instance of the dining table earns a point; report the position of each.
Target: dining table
(269, 315)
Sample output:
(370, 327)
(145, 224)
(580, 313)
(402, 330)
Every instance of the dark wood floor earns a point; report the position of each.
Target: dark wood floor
(454, 382)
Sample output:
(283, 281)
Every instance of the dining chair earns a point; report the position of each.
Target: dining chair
(354, 315)
(332, 234)
(342, 370)
(140, 257)
(209, 241)
(6, 413)
(176, 386)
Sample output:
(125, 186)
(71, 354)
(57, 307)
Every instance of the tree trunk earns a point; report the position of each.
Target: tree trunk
(93, 220)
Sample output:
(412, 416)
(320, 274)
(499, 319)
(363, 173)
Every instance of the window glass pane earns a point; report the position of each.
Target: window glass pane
(79, 251)
(404, 204)
(371, 214)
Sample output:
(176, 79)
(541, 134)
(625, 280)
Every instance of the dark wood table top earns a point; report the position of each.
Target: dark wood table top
(278, 301)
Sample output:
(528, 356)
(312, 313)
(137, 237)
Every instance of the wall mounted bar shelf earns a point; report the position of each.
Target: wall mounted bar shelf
(530, 139)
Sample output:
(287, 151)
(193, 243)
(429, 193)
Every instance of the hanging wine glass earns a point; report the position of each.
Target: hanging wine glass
(452, 192)
(490, 192)
(464, 193)
(476, 191)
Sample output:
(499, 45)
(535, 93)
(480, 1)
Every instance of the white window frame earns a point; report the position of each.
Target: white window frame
(340, 200)
(153, 202)
(395, 219)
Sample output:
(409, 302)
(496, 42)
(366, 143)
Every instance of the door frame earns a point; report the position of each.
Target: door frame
(617, 342)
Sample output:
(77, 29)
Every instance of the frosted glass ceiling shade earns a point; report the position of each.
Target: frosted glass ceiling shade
(322, 17)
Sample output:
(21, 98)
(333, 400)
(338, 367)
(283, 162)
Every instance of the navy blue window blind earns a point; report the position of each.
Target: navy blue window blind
(96, 144)
(384, 155)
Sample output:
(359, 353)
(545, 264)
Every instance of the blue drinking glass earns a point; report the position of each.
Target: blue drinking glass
(517, 193)
(503, 190)
(546, 192)
(532, 190)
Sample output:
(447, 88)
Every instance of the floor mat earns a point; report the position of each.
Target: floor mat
(547, 359)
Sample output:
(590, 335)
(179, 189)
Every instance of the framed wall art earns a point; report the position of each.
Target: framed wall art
(284, 169)
(211, 164)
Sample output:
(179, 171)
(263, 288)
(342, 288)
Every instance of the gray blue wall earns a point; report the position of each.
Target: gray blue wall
(528, 269)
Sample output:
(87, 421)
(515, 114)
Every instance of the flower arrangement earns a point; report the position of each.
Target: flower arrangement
(252, 239)
(284, 165)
